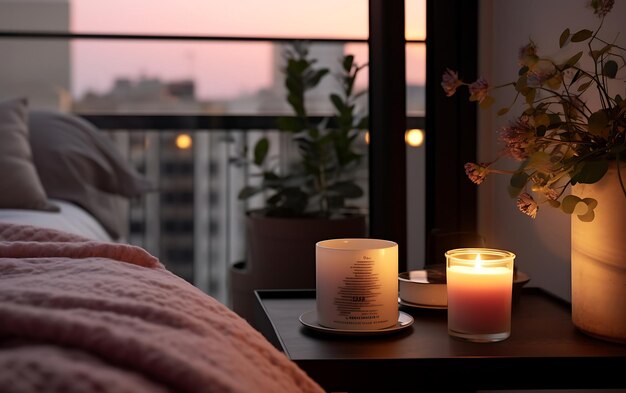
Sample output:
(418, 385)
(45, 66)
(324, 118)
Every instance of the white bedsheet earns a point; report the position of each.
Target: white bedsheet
(71, 218)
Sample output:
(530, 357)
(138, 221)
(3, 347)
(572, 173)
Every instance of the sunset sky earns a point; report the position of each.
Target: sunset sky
(222, 69)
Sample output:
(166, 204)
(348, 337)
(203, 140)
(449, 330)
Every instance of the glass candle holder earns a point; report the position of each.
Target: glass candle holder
(357, 283)
(479, 283)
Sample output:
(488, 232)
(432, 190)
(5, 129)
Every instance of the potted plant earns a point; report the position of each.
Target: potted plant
(570, 143)
(311, 201)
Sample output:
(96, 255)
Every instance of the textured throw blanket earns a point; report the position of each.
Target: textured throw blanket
(84, 316)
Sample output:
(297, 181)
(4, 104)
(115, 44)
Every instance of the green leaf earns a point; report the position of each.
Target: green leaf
(337, 102)
(584, 86)
(569, 203)
(260, 151)
(592, 203)
(587, 217)
(347, 189)
(487, 102)
(363, 124)
(522, 84)
(554, 118)
(598, 122)
(582, 35)
(573, 60)
(519, 179)
(247, 192)
(317, 77)
(513, 192)
(564, 37)
(347, 63)
(591, 171)
(530, 96)
(542, 120)
(553, 203)
(610, 69)
(503, 111)
(596, 54)
(289, 124)
(541, 130)
(581, 209)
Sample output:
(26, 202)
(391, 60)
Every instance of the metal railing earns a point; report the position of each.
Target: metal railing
(195, 222)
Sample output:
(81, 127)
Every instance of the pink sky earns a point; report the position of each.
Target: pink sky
(221, 69)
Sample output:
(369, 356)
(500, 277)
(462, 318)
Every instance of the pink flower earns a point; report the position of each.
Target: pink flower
(527, 205)
(528, 54)
(479, 90)
(477, 172)
(450, 82)
(540, 72)
(519, 138)
(602, 7)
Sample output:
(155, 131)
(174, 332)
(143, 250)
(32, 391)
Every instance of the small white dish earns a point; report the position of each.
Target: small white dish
(424, 288)
(309, 319)
(415, 305)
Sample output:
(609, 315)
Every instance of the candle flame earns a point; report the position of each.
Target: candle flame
(479, 262)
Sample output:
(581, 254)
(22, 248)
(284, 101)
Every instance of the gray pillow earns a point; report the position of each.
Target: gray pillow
(77, 163)
(20, 187)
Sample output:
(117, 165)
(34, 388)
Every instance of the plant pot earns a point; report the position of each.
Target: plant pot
(281, 254)
(599, 260)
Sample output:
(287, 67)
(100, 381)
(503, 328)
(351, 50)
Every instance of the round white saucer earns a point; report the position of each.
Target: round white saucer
(309, 319)
(415, 305)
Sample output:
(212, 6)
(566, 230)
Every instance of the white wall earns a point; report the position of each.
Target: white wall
(542, 245)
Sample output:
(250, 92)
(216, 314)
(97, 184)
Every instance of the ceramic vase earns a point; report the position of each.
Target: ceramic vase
(599, 260)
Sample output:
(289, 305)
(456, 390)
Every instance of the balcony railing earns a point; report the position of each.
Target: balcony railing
(195, 222)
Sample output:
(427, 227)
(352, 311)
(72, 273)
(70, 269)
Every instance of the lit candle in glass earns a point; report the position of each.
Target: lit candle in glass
(479, 283)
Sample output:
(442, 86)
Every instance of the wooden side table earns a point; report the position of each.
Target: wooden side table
(545, 350)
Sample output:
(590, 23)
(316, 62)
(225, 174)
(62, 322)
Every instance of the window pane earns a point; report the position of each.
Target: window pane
(296, 18)
(416, 79)
(416, 155)
(415, 19)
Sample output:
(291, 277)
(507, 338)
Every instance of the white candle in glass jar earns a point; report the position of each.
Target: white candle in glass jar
(479, 287)
(357, 283)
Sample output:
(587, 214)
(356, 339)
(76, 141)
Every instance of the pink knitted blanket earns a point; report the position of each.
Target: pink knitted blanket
(83, 316)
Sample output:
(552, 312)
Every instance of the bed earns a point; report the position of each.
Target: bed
(82, 311)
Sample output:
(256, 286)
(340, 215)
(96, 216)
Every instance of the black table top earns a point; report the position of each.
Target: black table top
(543, 340)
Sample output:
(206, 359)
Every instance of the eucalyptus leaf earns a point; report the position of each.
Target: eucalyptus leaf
(553, 203)
(573, 60)
(569, 203)
(519, 180)
(563, 38)
(610, 69)
(582, 35)
(530, 96)
(502, 111)
(554, 118)
(513, 191)
(591, 171)
(598, 122)
(587, 217)
(581, 208)
(592, 203)
(584, 86)
(487, 102)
